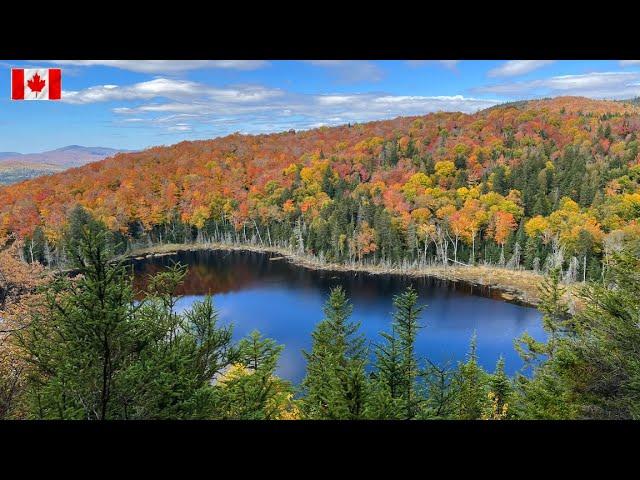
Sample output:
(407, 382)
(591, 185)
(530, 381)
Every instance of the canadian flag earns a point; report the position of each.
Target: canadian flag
(36, 83)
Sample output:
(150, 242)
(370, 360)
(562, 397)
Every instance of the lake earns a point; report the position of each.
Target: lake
(284, 301)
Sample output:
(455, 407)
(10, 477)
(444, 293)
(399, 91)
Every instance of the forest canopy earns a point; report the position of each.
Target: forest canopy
(531, 184)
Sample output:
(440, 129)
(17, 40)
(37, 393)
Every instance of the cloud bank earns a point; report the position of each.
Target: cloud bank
(614, 85)
(183, 105)
(513, 68)
(166, 66)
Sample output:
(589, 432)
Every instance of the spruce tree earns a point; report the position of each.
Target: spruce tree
(98, 354)
(594, 372)
(82, 336)
(440, 390)
(406, 315)
(500, 389)
(386, 400)
(396, 370)
(255, 350)
(335, 381)
(250, 390)
(556, 320)
(470, 386)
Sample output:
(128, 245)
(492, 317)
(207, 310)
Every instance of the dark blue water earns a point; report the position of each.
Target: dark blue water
(285, 302)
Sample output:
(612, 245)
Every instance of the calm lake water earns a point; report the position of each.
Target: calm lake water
(284, 302)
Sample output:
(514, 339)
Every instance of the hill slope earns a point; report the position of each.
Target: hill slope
(436, 187)
(15, 167)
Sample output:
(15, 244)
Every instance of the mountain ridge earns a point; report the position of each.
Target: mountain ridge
(67, 156)
(15, 166)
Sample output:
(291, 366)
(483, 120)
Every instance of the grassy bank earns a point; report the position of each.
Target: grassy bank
(519, 286)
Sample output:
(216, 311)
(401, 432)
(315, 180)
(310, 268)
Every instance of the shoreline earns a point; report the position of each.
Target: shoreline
(514, 286)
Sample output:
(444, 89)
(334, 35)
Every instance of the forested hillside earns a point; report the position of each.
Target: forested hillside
(536, 184)
(16, 167)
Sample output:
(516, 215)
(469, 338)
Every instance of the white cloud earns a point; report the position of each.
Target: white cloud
(629, 63)
(514, 68)
(335, 108)
(172, 89)
(183, 106)
(372, 106)
(450, 64)
(166, 66)
(304, 111)
(351, 71)
(595, 85)
(180, 127)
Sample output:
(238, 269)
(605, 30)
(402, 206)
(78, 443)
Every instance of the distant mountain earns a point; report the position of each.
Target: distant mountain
(66, 157)
(15, 167)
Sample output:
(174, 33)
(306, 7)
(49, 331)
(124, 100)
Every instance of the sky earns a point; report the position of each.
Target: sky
(135, 104)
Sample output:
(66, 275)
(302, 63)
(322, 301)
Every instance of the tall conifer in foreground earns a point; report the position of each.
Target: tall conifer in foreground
(500, 392)
(385, 399)
(405, 317)
(335, 382)
(594, 372)
(396, 372)
(471, 389)
(83, 335)
(250, 390)
(97, 355)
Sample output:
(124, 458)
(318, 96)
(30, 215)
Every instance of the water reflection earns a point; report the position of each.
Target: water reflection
(283, 301)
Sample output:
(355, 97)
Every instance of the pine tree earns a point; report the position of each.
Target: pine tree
(386, 400)
(406, 315)
(83, 335)
(440, 391)
(252, 391)
(396, 369)
(255, 350)
(470, 386)
(335, 381)
(501, 390)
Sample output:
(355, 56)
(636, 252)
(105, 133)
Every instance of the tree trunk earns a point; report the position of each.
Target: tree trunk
(473, 249)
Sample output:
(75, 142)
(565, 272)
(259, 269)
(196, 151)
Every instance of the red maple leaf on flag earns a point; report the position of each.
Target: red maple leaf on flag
(36, 84)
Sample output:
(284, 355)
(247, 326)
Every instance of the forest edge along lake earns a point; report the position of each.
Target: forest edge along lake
(265, 291)
(517, 286)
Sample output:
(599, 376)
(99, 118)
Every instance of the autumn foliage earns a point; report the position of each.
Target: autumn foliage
(446, 181)
(18, 293)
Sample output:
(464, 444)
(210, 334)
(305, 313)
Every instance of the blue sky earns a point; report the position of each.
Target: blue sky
(136, 104)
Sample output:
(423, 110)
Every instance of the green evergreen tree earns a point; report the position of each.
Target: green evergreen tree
(335, 381)
(471, 383)
(556, 320)
(440, 390)
(386, 400)
(84, 335)
(594, 372)
(97, 354)
(406, 315)
(396, 370)
(255, 394)
(501, 388)
(255, 350)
